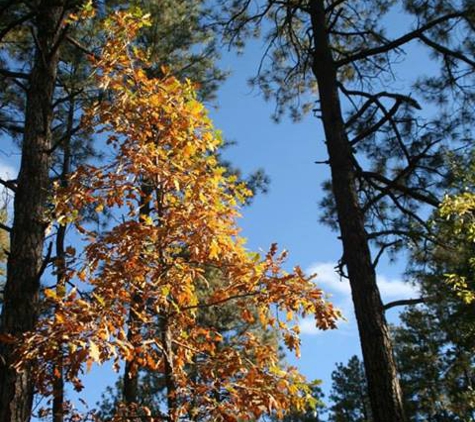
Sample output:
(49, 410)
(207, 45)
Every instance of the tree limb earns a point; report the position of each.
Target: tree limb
(10, 184)
(5, 227)
(404, 302)
(401, 188)
(446, 51)
(371, 130)
(12, 74)
(80, 47)
(397, 42)
(382, 249)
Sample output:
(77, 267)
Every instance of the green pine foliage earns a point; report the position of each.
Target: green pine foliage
(350, 402)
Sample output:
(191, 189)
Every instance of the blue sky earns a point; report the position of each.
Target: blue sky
(289, 213)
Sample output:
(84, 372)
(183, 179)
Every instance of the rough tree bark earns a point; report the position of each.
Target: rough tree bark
(383, 384)
(25, 262)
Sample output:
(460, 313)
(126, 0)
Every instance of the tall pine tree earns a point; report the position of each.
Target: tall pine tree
(385, 157)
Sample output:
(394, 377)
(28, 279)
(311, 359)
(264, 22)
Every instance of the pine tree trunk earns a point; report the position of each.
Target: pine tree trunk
(383, 384)
(25, 261)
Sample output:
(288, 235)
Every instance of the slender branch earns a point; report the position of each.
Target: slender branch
(373, 129)
(65, 138)
(12, 128)
(359, 112)
(394, 232)
(401, 188)
(5, 227)
(12, 74)
(396, 96)
(382, 249)
(406, 211)
(81, 47)
(405, 302)
(413, 163)
(10, 184)
(397, 42)
(446, 51)
(46, 261)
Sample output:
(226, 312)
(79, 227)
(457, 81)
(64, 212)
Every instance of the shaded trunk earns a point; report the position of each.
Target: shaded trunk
(169, 369)
(58, 385)
(383, 384)
(25, 262)
(130, 388)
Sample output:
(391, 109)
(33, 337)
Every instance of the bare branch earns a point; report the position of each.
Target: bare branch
(12, 74)
(5, 227)
(393, 45)
(382, 249)
(12, 128)
(446, 51)
(80, 47)
(10, 184)
(405, 302)
(371, 130)
(401, 188)
(394, 232)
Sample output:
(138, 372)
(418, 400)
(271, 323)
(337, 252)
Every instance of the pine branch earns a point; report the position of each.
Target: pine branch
(10, 184)
(405, 302)
(15, 23)
(12, 74)
(400, 188)
(446, 51)
(393, 45)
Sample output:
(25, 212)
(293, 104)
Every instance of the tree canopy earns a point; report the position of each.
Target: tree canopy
(123, 244)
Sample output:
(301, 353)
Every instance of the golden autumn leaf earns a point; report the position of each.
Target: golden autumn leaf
(94, 352)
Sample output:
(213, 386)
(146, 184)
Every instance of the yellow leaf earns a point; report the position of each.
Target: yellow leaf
(50, 293)
(94, 352)
(214, 250)
(59, 318)
(99, 299)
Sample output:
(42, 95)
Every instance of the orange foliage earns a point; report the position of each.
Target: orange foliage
(164, 154)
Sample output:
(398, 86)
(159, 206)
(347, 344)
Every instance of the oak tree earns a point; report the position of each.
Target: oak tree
(150, 264)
